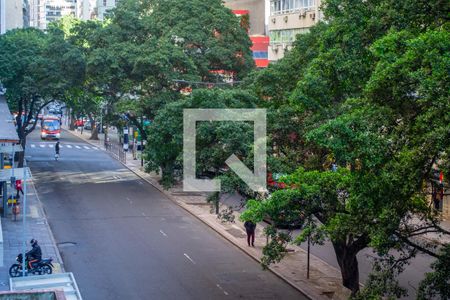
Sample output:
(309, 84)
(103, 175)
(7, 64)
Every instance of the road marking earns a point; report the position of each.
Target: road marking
(51, 146)
(78, 147)
(95, 148)
(33, 146)
(129, 200)
(143, 214)
(68, 146)
(164, 234)
(187, 256)
(86, 147)
(220, 288)
(42, 146)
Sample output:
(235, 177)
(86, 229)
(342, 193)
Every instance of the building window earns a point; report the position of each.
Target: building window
(290, 6)
(286, 36)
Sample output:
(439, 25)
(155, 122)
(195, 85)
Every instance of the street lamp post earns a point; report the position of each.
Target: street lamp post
(24, 218)
(142, 141)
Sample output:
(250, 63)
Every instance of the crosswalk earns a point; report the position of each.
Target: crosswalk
(69, 146)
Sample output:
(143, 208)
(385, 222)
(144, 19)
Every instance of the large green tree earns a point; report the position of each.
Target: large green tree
(372, 96)
(167, 45)
(215, 141)
(36, 68)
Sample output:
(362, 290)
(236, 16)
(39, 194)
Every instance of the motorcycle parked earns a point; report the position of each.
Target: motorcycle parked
(43, 267)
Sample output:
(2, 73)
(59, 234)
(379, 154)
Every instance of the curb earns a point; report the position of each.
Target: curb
(60, 260)
(305, 291)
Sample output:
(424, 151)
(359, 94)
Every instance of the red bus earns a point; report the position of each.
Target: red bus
(50, 128)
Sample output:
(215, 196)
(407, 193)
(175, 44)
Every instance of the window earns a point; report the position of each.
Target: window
(286, 36)
(289, 6)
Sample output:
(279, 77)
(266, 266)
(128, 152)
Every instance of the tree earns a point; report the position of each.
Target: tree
(167, 44)
(216, 141)
(36, 68)
(436, 285)
(371, 100)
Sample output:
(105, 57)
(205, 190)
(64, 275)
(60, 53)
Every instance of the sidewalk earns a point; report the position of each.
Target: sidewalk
(325, 281)
(37, 228)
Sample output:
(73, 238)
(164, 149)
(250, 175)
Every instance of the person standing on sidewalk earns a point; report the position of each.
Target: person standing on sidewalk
(250, 228)
(19, 188)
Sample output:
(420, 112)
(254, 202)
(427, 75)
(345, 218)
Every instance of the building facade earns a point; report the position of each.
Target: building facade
(86, 9)
(11, 15)
(252, 14)
(43, 12)
(103, 6)
(287, 19)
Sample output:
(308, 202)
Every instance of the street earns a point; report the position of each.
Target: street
(122, 238)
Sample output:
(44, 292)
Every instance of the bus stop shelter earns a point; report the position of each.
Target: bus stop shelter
(9, 145)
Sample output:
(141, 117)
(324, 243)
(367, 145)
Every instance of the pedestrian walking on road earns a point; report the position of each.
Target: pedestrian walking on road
(250, 227)
(57, 150)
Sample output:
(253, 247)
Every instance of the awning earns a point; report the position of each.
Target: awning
(8, 133)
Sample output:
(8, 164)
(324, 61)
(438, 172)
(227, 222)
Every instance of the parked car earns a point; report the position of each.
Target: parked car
(88, 125)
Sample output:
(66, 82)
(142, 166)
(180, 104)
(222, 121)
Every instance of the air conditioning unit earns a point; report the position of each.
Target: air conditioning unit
(285, 47)
(274, 20)
(313, 16)
(285, 19)
(302, 13)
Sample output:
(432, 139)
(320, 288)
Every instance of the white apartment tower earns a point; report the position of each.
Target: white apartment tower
(287, 19)
(11, 15)
(43, 12)
(103, 6)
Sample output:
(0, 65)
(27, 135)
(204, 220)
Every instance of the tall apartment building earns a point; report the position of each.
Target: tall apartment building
(43, 12)
(86, 9)
(103, 6)
(287, 18)
(254, 12)
(11, 15)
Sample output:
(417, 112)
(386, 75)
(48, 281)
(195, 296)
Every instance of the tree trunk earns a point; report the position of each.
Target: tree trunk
(72, 122)
(94, 130)
(348, 264)
(21, 155)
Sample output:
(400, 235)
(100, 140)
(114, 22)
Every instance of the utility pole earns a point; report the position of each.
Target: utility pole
(309, 248)
(142, 141)
(24, 218)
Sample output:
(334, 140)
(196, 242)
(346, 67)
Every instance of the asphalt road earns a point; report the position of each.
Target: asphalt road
(123, 239)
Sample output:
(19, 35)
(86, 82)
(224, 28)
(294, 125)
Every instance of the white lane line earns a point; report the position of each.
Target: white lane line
(78, 147)
(95, 148)
(86, 147)
(33, 146)
(41, 145)
(51, 146)
(187, 256)
(129, 200)
(163, 233)
(220, 288)
(69, 146)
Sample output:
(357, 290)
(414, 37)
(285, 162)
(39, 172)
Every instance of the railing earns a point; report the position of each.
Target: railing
(116, 151)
